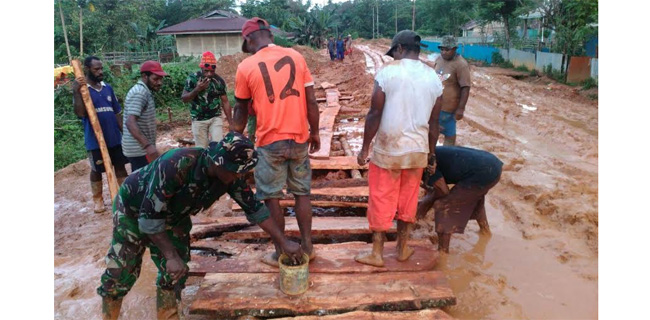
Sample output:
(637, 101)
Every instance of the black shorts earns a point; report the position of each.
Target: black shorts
(97, 162)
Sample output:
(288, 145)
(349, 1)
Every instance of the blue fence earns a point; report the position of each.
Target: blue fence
(532, 60)
(475, 52)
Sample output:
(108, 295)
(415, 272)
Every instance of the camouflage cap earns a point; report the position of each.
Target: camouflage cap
(449, 42)
(235, 153)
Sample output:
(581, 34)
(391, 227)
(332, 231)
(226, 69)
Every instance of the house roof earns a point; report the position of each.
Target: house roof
(217, 21)
(469, 25)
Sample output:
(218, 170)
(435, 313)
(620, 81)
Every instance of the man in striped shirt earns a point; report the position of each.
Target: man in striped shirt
(139, 140)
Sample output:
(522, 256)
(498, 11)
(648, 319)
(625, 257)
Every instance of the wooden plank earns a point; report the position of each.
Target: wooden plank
(340, 98)
(326, 124)
(257, 294)
(225, 224)
(331, 258)
(202, 218)
(337, 163)
(330, 197)
(321, 226)
(426, 314)
(316, 203)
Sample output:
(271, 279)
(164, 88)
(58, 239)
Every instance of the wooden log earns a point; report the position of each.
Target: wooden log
(426, 314)
(224, 295)
(316, 203)
(321, 227)
(346, 162)
(355, 173)
(97, 129)
(331, 258)
(340, 98)
(226, 224)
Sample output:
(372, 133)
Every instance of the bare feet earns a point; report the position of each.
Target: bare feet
(370, 259)
(404, 253)
(271, 259)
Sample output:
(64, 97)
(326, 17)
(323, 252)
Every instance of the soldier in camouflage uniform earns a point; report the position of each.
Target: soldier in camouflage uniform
(205, 90)
(153, 207)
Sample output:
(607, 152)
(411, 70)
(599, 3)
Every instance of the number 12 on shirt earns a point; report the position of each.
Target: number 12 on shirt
(288, 89)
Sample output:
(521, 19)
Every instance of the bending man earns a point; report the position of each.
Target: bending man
(153, 209)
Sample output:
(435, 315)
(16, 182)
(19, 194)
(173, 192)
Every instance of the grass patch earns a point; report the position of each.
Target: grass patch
(589, 83)
(522, 68)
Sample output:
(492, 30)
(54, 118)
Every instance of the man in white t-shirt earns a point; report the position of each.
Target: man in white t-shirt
(403, 120)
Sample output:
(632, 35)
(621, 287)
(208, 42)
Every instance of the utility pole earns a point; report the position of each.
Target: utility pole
(413, 21)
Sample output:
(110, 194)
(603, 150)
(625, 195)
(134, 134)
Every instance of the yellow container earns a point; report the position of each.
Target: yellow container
(294, 280)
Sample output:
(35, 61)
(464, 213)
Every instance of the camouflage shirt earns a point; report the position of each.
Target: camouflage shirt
(177, 185)
(207, 103)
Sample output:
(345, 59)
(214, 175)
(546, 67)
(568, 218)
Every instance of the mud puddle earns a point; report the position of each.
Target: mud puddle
(504, 277)
(353, 128)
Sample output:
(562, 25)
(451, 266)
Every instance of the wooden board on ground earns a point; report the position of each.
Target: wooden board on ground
(337, 163)
(316, 203)
(257, 294)
(221, 225)
(320, 226)
(330, 197)
(330, 258)
(426, 314)
(326, 124)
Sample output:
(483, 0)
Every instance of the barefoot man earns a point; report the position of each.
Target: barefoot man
(403, 115)
(473, 173)
(279, 83)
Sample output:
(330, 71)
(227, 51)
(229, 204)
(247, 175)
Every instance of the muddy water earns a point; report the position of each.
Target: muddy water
(504, 277)
(353, 127)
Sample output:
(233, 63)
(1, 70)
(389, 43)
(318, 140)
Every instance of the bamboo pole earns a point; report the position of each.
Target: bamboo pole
(94, 122)
(65, 33)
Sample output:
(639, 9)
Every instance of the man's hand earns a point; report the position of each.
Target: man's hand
(75, 86)
(152, 152)
(176, 268)
(362, 157)
(293, 250)
(431, 163)
(202, 84)
(314, 142)
(459, 114)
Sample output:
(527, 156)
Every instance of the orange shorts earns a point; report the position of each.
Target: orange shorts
(392, 191)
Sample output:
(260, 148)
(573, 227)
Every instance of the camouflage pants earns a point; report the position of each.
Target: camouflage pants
(124, 258)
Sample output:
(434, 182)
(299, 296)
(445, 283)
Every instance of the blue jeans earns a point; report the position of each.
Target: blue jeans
(283, 162)
(447, 124)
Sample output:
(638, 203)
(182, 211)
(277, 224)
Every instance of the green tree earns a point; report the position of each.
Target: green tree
(500, 10)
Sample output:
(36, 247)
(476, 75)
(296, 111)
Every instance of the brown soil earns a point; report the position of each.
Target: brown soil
(541, 261)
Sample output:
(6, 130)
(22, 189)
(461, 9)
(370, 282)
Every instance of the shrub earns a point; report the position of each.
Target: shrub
(589, 83)
(497, 58)
(68, 129)
(522, 68)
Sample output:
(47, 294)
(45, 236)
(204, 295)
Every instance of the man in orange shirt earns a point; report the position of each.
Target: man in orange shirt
(279, 82)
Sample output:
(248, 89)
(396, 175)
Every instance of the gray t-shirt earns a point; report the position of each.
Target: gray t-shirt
(139, 102)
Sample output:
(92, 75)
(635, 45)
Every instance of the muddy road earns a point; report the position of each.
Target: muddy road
(541, 261)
